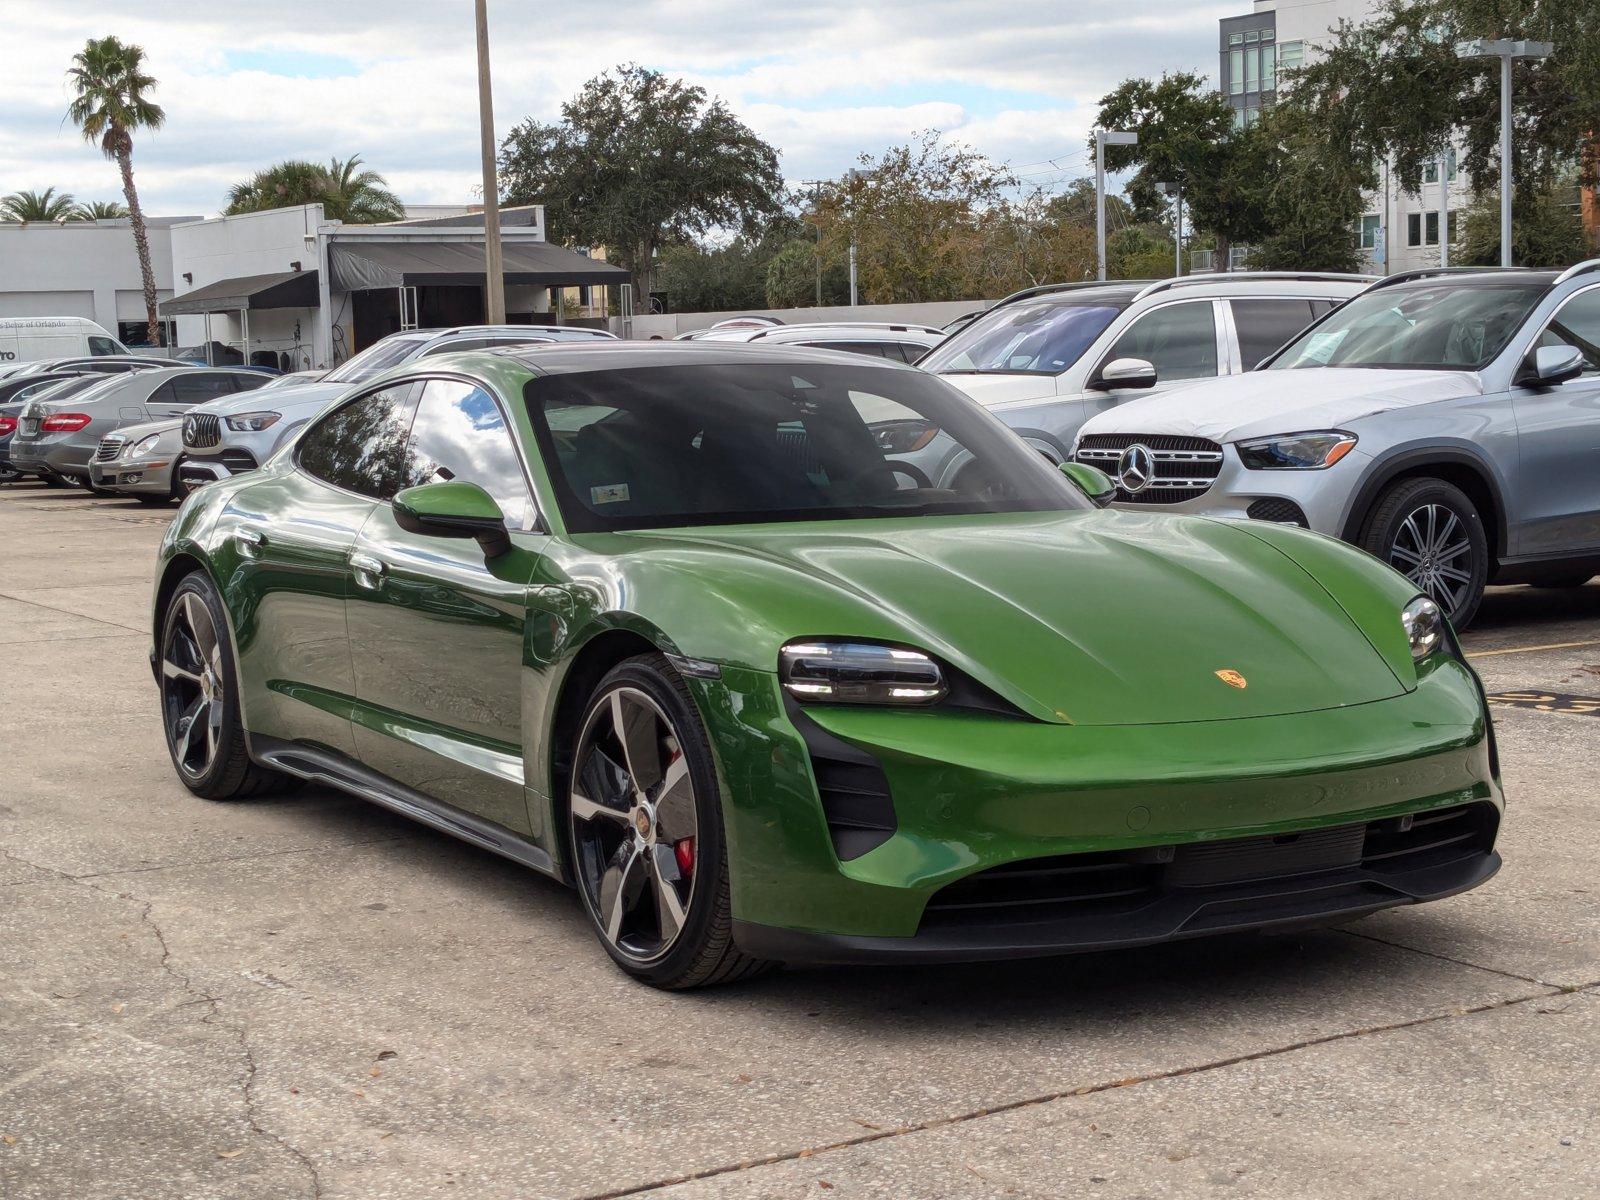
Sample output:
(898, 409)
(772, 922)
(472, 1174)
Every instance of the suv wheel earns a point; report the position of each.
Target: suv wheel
(1432, 534)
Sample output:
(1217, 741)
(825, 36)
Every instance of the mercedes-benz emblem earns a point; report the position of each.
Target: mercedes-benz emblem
(1136, 468)
(189, 424)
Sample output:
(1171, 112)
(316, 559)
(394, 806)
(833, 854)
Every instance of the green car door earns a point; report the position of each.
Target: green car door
(289, 537)
(436, 625)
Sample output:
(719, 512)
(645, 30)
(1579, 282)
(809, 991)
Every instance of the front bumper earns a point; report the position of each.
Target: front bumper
(138, 475)
(973, 794)
(1320, 500)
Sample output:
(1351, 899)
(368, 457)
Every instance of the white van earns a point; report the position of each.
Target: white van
(28, 339)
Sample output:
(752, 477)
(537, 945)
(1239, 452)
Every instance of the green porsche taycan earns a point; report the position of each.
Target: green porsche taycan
(687, 627)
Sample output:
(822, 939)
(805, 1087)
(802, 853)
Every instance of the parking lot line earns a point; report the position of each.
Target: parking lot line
(1535, 649)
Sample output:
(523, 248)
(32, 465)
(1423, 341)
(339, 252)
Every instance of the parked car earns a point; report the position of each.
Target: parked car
(139, 461)
(1445, 422)
(754, 321)
(1047, 359)
(229, 439)
(8, 428)
(27, 339)
(898, 343)
(58, 432)
(758, 698)
(107, 364)
(47, 388)
(294, 379)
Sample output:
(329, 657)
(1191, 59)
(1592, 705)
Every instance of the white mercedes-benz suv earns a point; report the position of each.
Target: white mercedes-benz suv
(1446, 421)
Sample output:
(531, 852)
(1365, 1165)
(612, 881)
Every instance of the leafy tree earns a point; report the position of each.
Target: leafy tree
(1394, 86)
(111, 100)
(345, 191)
(793, 274)
(1311, 195)
(99, 210)
(1546, 228)
(48, 205)
(640, 162)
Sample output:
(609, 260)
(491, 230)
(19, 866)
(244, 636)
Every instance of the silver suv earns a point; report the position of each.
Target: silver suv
(897, 343)
(1048, 359)
(1446, 421)
(228, 439)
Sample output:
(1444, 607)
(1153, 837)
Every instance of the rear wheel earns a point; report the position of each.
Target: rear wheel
(645, 821)
(200, 698)
(1432, 534)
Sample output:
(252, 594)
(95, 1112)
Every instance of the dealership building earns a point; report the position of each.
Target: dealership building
(289, 288)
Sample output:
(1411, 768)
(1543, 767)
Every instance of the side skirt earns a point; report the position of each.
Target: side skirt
(326, 766)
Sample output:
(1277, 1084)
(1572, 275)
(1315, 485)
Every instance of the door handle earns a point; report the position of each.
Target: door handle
(249, 541)
(369, 571)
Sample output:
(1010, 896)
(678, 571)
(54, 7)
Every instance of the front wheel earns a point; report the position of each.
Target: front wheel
(645, 821)
(200, 698)
(1432, 534)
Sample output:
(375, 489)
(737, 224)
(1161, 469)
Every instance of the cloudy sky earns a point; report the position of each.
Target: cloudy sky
(245, 84)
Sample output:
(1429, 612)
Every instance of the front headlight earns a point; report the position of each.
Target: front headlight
(253, 422)
(1424, 625)
(143, 446)
(859, 673)
(1297, 451)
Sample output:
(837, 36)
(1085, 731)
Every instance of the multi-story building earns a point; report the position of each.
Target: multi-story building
(1399, 231)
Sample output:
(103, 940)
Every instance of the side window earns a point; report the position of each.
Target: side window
(361, 446)
(1180, 340)
(1267, 325)
(103, 345)
(911, 351)
(163, 395)
(460, 433)
(457, 346)
(194, 389)
(1577, 323)
(248, 381)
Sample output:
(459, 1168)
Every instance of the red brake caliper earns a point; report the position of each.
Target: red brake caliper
(683, 848)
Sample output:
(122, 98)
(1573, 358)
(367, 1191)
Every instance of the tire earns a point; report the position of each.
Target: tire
(627, 820)
(1431, 533)
(54, 481)
(197, 680)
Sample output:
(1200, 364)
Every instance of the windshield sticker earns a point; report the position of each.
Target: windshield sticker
(609, 493)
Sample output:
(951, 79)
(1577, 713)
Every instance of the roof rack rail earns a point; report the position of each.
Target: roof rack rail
(1046, 289)
(1253, 276)
(886, 326)
(1432, 272)
(1582, 268)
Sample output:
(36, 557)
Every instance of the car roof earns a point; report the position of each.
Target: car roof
(558, 358)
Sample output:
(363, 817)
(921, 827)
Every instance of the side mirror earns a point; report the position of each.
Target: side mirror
(1550, 365)
(454, 509)
(1126, 373)
(1091, 481)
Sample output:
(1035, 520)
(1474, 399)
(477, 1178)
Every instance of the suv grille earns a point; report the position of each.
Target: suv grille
(1184, 467)
(201, 430)
(1123, 881)
(109, 448)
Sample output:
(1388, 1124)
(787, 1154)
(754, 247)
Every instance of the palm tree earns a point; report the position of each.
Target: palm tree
(113, 100)
(345, 191)
(48, 205)
(99, 210)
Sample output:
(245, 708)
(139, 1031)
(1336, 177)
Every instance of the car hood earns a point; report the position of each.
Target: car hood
(1094, 618)
(990, 390)
(1266, 402)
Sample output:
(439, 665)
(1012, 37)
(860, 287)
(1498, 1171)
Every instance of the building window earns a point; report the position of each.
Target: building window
(1291, 54)
(1422, 229)
(137, 333)
(1252, 77)
(1235, 39)
(1236, 72)
(1269, 69)
(1371, 231)
(1430, 169)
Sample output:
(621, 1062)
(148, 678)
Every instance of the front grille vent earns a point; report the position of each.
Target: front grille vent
(201, 430)
(1276, 509)
(856, 803)
(1184, 467)
(109, 448)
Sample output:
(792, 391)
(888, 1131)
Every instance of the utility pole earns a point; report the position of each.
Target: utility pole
(494, 291)
(1102, 139)
(852, 178)
(1507, 51)
(1444, 207)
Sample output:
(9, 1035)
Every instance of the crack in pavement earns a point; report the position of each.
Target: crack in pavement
(1460, 962)
(67, 612)
(1086, 1090)
(238, 1028)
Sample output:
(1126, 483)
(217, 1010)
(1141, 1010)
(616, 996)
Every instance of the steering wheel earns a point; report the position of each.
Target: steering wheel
(915, 474)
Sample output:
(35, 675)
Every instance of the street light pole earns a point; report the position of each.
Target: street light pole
(852, 177)
(1102, 139)
(494, 291)
(1444, 207)
(1507, 51)
(1175, 190)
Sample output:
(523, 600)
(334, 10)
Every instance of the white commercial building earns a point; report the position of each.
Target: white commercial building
(1400, 231)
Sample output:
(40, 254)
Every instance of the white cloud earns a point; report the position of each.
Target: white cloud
(245, 84)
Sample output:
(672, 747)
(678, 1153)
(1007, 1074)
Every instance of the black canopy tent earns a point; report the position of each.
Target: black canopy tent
(280, 289)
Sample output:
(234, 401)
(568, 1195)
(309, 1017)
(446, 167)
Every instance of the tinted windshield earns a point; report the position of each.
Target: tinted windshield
(1440, 326)
(1028, 338)
(645, 447)
(390, 352)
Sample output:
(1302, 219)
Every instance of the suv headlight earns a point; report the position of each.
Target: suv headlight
(252, 422)
(1424, 625)
(143, 446)
(842, 672)
(1297, 451)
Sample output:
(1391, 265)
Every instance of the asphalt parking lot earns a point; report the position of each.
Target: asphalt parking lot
(311, 997)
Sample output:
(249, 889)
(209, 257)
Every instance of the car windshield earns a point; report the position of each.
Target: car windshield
(390, 352)
(1029, 338)
(1440, 326)
(710, 444)
(79, 386)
